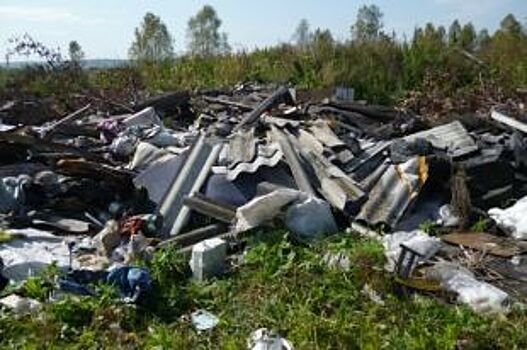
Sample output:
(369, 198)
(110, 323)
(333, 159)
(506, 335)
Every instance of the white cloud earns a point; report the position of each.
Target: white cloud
(36, 14)
(45, 14)
(471, 7)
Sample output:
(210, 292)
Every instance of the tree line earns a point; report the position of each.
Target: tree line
(378, 64)
(382, 67)
(153, 41)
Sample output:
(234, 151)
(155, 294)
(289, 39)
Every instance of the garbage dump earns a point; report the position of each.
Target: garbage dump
(91, 192)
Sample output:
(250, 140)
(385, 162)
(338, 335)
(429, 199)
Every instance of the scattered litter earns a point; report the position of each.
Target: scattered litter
(20, 305)
(513, 219)
(480, 296)
(447, 218)
(339, 260)
(96, 188)
(32, 252)
(368, 291)
(418, 241)
(263, 339)
(203, 320)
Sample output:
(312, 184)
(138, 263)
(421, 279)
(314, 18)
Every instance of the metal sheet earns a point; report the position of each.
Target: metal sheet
(308, 141)
(280, 95)
(368, 161)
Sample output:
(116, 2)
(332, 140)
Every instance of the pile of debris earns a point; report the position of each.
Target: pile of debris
(91, 192)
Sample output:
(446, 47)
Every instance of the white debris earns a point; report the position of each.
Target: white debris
(146, 117)
(108, 238)
(263, 339)
(145, 154)
(311, 219)
(447, 218)
(307, 217)
(338, 260)
(264, 208)
(372, 294)
(482, 297)
(33, 252)
(203, 320)
(513, 219)
(20, 305)
(208, 258)
(416, 240)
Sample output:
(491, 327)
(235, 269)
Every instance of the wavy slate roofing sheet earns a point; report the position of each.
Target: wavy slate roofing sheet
(453, 137)
(393, 193)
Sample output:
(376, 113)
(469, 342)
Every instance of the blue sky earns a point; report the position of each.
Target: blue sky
(105, 28)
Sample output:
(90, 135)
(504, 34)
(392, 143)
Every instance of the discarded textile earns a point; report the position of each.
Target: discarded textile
(68, 286)
(134, 283)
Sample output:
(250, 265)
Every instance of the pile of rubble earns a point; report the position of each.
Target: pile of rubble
(92, 192)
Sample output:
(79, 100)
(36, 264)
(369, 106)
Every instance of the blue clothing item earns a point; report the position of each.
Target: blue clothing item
(130, 280)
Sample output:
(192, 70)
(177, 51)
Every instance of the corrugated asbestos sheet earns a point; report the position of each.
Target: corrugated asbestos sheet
(393, 193)
(242, 148)
(368, 161)
(158, 177)
(453, 137)
(322, 132)
(188, 179)
(266, 155)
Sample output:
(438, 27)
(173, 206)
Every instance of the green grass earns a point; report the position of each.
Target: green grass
(279, 285)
